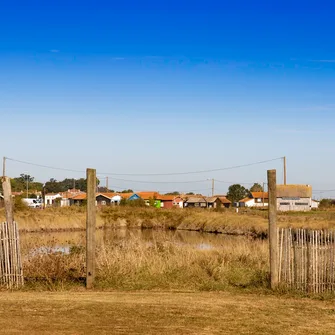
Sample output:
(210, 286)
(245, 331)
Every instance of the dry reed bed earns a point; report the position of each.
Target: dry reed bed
(246, 222)
(163, 263)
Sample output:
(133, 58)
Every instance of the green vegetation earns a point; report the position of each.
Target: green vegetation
(256, 188)
(237, 192)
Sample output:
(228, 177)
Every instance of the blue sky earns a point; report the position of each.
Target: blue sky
(160, 87)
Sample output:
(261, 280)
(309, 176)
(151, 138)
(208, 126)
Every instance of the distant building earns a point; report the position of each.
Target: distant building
(294, 197)
(199, 202)
(50, 198)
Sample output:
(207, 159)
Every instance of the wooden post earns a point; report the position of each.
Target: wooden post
(284, 170)
(272, 187)
(90, 227)
(7, 193)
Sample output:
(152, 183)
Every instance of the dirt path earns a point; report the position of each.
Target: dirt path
(162, 313)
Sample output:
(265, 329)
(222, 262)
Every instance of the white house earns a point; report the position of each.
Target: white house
(50, 198)
(256, 199)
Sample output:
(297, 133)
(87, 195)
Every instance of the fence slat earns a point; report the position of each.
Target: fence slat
(306, 259)
(11, 273)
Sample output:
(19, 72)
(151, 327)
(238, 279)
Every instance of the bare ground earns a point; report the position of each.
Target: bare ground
(162, 313)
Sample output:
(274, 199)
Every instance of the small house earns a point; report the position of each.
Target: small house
(214, 202)
(198, 202)
(166, 201)
(50, 198)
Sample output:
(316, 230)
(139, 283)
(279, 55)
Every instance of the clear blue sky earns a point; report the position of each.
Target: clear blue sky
(169, 86)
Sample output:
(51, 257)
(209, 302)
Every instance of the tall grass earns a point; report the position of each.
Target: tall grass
(246, 222)
(162, 263)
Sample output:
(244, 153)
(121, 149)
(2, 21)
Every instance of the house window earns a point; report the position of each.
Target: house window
(301, 203)
(259, 200)
(103, 202)
(284, 204)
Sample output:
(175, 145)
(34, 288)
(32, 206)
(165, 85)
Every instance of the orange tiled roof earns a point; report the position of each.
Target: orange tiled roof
(224, 200)
(125, 195)
(148, 195)
(245, 199)
(264, 195)
(166, 197)
(81, 196)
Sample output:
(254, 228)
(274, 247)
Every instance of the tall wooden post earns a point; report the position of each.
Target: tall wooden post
(7, 193)
(90, 227)
(272, 188)
(284, 170)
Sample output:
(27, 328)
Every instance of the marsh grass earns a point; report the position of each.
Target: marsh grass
(162, 263)
(247, 222)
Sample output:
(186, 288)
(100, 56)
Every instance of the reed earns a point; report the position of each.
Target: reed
(162, 263)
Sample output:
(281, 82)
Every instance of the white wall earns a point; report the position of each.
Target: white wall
(299, 204)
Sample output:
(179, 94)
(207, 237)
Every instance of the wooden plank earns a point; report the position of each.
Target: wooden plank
(272, 186)
(90, 227)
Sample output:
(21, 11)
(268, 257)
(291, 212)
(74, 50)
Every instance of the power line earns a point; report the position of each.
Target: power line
(323, 191)
(146, 174)
(192, 172)
(160, 182)
(44, 166)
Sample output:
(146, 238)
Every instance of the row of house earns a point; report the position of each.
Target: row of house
(289, 197)
(151, 198)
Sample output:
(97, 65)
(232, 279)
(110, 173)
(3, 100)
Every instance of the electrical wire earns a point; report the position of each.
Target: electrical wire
(146, 174)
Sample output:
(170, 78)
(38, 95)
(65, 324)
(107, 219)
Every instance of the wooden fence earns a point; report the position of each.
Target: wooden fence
(11, 273)
(306, 259)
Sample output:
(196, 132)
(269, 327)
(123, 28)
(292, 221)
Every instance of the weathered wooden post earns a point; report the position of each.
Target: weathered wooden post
(7, 193)
(90, 227)
(272, 186)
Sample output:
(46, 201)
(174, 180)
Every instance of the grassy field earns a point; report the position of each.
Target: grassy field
(246, 222)
(162, 313)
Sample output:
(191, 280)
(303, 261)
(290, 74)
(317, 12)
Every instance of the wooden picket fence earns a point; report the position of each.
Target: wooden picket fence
(11, 273)
(306, 259)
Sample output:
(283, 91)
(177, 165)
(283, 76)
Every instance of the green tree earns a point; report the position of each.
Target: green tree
(237, 192)
(256, 188)
(127, 191)
(173, 193)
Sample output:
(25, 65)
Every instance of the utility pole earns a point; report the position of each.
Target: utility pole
(106, 184)
(90, 227)
(212, 187)
(27, 185)
(284, 158)
(263, 193)
(74, 185)
(4, 167)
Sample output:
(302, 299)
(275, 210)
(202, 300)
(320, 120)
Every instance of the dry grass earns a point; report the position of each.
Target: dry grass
(162, 313)
(246, 222)
(162, 263)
